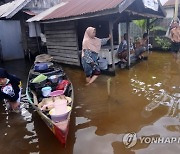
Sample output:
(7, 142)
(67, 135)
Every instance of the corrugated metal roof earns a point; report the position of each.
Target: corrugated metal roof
(170, 3)
(46, 12)
(76, 9)
(80, 7)
(8, 10)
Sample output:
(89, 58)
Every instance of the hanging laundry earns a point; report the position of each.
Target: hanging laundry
(34, 29)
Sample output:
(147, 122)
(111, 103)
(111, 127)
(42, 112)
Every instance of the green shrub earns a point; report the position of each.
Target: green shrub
(164, 43)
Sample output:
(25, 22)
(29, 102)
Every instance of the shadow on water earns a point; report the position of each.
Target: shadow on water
(144, 99)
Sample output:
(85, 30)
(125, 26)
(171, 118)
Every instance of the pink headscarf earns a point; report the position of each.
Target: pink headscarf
(90, 42)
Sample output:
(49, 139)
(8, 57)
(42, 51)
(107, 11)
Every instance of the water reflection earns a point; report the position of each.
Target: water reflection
(81, 120)
(157, 96)
(12, 132)
(94, 143)
(143, 100)
(163, 127)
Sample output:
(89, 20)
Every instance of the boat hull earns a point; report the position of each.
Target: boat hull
(60, 129)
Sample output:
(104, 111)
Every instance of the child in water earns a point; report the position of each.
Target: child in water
(10, 89)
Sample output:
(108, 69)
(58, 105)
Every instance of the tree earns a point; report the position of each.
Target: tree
(141, 24)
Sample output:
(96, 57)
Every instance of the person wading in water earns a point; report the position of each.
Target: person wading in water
(10, 89)
(175, 38)
(91, 46)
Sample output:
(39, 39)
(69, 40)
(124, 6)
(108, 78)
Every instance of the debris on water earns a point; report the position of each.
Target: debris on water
(148, 98)
(158, 84)
(81, 120)
(132, 80)
(78, 107)
(141, 83)
(161, 90)
(177, 95)
(166, 103)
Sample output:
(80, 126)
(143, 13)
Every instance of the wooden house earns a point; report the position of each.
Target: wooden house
(65, 25)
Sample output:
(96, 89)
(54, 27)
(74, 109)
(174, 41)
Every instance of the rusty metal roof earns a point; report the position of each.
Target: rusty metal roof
(80, 7)
(8, 10)
(170, 3)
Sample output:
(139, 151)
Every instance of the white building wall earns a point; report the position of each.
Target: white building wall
(170, 12)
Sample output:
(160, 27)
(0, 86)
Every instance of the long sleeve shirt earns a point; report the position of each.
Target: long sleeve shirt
(11, 90)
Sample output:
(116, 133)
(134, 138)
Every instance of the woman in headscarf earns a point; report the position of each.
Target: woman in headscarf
(10, 89)
(91, 46)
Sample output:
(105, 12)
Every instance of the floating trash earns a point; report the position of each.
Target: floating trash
(141, 83)
(156, 102)
(166, 104)
(81, 120)
(177, 95)
(162, 90)
(158, 84)
(151, 89)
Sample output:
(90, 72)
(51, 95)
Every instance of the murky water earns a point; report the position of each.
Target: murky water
(144, 100)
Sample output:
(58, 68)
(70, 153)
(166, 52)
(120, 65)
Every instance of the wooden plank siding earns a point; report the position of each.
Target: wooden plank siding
(62, 42)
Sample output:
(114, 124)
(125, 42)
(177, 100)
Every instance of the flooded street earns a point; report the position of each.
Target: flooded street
(144, 100)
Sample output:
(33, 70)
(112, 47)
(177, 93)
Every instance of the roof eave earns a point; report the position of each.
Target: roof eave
(119, 9)
(84, 16)
(13, 12)
(17, 9)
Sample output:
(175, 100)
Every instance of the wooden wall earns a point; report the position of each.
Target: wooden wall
(29, 44)
(62, 42)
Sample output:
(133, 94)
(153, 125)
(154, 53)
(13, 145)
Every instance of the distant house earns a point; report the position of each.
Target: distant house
(169, 7)
(17, 38)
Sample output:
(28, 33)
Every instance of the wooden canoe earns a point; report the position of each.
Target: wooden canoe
(60, 129)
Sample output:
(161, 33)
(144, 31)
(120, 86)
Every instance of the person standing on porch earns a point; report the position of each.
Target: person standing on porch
(91, 46)
(122, 49)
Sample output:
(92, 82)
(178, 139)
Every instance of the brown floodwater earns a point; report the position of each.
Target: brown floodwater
(144, 100)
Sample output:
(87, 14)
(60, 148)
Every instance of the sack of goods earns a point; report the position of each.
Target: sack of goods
(103, 63)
